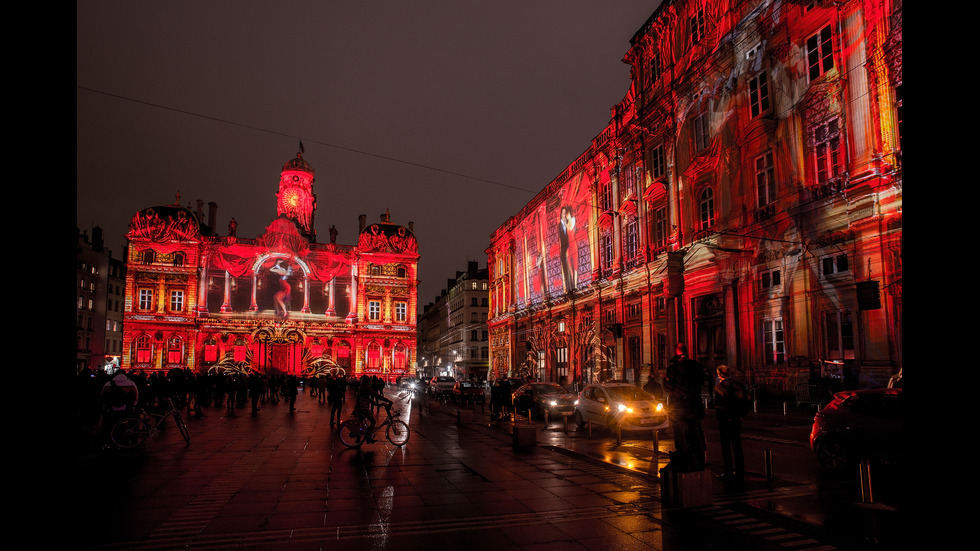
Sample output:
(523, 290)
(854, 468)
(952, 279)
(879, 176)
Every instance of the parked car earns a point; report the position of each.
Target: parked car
(465, 391)
(620, 404)
(441, 385)
(856, 425)
(539, 398)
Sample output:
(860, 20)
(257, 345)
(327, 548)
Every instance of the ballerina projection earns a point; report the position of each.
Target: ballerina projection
(282, 295)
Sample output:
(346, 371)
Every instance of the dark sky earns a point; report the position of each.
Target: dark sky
(450, 114)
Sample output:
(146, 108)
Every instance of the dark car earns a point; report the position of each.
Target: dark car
(465, 391)
(539, 398)
(856, 425)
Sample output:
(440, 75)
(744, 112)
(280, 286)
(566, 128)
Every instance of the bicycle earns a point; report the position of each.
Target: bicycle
(356, 430)
(132, 432)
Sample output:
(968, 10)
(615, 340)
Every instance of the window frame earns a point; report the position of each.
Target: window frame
(706, 209)
(374, 309)
(765, 179)
(827, 153)
(773, 341)
(819, 48)
(759, 94)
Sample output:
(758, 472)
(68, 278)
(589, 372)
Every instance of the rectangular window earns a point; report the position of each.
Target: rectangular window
(374, 310)
(820, 53)
(605, 197)
(770, 279)
(826, 140)
(401, 311)
(759, 94)
(765, 179)
(697, 26)
(654, 68)
(146, 299)
(831, 265)
(660, 226)
(839, 335)
(772, 331)
(632, 239)
(176, 301)
(607, 250)
(658, 165)
(701, 134)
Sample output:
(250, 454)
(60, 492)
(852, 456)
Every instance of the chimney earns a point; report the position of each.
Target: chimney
(411, 226)
(473, 267)
(200, 211)
(361, 221)
(213, 215)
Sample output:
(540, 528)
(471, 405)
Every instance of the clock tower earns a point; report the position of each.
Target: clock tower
(295, 198)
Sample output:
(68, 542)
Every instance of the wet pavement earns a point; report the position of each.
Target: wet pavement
(283, 481)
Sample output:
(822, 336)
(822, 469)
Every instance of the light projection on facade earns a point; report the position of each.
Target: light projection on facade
(278, 302)
(745, 198)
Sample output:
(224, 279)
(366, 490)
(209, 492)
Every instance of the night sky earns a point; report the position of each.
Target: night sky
(449, 114)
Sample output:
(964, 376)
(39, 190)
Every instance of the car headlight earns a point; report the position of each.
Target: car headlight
(659, 408)
(553, 403)
(625, 409)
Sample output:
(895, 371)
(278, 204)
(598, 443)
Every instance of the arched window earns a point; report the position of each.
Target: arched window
(374, 356)
(175, 350)
(211, 350)
(706, 209)
(400, 358)
(144, 349)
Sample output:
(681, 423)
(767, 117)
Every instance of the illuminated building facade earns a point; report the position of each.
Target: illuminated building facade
(280, 302)
(745, 198)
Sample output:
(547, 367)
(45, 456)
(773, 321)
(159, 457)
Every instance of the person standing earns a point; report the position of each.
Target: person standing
(335, 398)
(683, 382)
(290, 389)
(731, 406)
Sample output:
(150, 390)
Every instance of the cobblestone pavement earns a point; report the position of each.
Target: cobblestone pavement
(277, 480)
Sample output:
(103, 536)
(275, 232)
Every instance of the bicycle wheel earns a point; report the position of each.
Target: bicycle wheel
(130, 432)
(352, 433)
(398, 432)
(179, 421)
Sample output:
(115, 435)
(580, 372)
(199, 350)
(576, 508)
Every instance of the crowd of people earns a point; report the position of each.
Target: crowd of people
(101, 399)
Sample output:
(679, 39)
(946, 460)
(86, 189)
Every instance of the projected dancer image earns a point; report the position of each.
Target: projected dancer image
(282, 295)
(566, 240)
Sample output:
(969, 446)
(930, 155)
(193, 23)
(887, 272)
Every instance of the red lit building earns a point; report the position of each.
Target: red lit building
(279, 302)
(745, 198)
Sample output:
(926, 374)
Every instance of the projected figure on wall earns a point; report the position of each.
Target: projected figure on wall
(282, 295)
(566, 239)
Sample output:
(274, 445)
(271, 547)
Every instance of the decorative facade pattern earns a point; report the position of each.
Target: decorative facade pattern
(745, 198)
(278, 302)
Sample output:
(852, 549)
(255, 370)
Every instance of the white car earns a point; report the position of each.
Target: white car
(439, 386)
(620, 404)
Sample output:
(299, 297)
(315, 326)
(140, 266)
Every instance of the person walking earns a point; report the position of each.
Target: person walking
(731, 406)
(683, 382)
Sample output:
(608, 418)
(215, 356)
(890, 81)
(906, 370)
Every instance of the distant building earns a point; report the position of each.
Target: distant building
(101, 280)
(745, 198)
(278, 302)
(453, 332)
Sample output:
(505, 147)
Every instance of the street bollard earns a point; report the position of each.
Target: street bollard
(785, 406)
(755, 406)
(865, 472)
(619, 434)
(564, 418)
(769, 471)
(656, 446)
(590, 428)
(546, 419)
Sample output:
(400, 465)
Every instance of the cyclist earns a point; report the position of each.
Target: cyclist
(368, 396)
